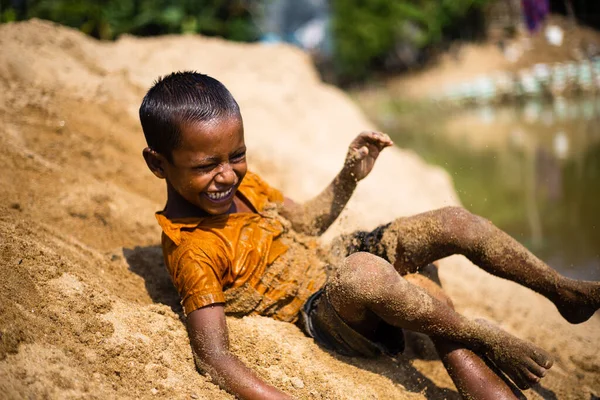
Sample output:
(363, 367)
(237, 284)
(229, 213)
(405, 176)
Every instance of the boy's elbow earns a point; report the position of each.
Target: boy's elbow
(316, 226)
(309, 223)
(215, 365)
(210, 359)
(306, 228)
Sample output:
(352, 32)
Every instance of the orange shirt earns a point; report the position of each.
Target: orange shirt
(241, 259)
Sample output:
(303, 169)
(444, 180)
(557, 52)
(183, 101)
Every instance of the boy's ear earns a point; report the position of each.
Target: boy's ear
(155, 162)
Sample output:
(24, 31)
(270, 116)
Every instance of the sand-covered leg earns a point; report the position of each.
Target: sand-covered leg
(472, 376)
(367, 289)
(430, 236)
(526, 369)
(579, 300)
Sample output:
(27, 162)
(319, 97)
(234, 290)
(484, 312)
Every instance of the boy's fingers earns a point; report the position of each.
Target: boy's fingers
(357, 154)
(375, 152)
(385, 143)
(379, 144)
(387, 139)
(370, 142)
(381, 139)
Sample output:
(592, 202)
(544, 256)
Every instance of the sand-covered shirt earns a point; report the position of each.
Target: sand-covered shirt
(244, 260)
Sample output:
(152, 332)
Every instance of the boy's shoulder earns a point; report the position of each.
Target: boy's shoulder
(258, 192)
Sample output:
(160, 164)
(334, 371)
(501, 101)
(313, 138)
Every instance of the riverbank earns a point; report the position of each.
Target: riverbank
(508, 63)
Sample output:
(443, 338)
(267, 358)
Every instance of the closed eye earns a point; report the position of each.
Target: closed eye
(238, 157)
(205, 168)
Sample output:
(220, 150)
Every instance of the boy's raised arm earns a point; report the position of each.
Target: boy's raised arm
(316, 215)
(209, 337)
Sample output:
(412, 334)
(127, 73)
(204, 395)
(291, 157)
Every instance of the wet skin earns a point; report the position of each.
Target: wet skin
(205, 170)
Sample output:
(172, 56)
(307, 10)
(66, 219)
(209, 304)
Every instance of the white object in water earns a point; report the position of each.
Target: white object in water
(554, 35)
(561, 145)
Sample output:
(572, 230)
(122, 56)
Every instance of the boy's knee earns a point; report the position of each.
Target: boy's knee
(457, 213)
(364, 271)
(464, 225)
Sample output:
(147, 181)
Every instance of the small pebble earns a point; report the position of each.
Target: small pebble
(194, 396)
(297, 382)
(154, 390)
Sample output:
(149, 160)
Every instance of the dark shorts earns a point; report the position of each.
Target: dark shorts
(370, 242)
(321, 321)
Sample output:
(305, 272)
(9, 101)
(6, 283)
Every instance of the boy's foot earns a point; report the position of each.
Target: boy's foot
(579, 302)
(524, 363)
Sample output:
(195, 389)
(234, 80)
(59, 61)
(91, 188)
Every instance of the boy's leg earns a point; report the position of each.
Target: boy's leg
(471, 375)
(424, 238)
(367, 289)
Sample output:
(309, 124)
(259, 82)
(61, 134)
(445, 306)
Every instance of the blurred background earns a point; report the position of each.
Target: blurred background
(503, 94)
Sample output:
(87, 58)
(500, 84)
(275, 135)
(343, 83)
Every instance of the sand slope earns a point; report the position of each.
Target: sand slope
(86, 308)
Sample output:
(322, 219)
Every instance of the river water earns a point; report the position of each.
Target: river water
(532, 169)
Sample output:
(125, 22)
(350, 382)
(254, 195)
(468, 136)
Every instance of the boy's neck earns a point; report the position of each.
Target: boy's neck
(178, 207)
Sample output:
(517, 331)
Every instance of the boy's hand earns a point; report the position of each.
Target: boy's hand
(362, 153)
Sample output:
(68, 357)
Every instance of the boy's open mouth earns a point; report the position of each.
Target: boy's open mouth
(220, 197)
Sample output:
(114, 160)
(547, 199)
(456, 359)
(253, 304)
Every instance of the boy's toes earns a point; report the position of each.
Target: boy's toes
(537, 370)
(542, 358)
(526, 379)
(521, 382)
(531, 378)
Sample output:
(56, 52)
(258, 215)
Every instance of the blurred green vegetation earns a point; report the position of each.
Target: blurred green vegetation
(366, 32)
(107, 19)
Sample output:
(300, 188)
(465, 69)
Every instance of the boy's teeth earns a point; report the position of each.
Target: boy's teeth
(219, 195)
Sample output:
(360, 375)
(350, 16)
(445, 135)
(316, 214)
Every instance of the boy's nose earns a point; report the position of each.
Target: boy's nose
(226, 176)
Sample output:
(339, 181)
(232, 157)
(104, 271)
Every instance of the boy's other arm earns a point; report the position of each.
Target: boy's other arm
(316, 215)
(209, 337)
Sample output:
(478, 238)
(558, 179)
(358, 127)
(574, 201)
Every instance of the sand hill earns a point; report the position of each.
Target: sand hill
(86, 308)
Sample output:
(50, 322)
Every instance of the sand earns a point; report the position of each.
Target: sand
(86, 307)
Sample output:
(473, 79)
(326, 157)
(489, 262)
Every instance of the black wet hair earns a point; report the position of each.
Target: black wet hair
(178, 99)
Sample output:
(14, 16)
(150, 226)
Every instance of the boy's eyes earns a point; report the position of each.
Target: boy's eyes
(207, 167)
(238, 157)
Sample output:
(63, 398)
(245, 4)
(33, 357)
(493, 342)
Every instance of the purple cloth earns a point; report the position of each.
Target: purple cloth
(535, 11)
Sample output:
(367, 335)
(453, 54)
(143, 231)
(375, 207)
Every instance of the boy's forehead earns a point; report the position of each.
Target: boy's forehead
(213, 132)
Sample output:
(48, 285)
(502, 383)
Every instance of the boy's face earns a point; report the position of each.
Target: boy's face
(208, 166)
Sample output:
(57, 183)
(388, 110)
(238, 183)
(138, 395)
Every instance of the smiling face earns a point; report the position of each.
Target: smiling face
(206, 169)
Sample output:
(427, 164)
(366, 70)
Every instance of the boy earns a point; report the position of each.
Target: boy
(234, 245)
